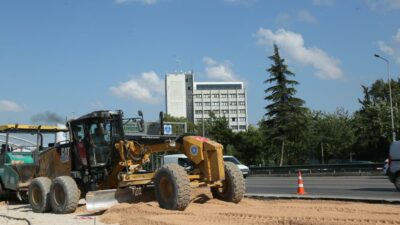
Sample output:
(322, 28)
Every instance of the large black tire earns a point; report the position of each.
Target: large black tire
(172, 187)
(64, 195)
(38, 194)
(397, 181)
(233, 188)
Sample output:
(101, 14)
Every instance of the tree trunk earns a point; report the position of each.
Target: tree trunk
(282, 151)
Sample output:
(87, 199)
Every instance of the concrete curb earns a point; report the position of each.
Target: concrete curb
(324, 197)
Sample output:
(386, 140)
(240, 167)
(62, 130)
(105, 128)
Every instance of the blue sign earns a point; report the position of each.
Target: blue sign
(194, 150)
(167, 129)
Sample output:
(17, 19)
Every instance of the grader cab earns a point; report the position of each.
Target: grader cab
(106, 166)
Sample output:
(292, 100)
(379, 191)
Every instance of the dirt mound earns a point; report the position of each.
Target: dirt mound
(203, 209)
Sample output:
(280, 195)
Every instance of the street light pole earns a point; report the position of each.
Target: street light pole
(390, 95)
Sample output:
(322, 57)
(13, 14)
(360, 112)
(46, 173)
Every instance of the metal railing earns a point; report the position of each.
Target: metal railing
(327, 169)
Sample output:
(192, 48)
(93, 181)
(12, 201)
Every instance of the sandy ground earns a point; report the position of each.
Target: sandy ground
(203, 209)
(17, 210)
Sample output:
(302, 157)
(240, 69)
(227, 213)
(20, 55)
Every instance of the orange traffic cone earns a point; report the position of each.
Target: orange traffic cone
(300, 189)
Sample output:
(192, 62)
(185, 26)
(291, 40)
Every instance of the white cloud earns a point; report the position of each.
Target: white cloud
(397, 37)
(385, 48)
(293, 45)
(392, 48)
(305, 16)
(147, 88)
(219, 71)
(145, 2)
(324, 2)
(9, 106)
(383, 5)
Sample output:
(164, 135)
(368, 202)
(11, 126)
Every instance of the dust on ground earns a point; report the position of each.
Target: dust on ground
(203, 209)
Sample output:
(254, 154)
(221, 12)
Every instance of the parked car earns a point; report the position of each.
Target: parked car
(393, 171)
(245, 170)
(183, 161)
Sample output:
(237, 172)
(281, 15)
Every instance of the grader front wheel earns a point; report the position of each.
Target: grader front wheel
(233, 187)
(172, 187)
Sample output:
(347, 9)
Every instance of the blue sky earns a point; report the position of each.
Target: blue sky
(72, 57)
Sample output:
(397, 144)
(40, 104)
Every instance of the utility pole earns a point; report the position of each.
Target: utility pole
(390, 95)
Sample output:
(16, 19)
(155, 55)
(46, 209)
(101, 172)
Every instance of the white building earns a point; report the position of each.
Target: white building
(222, 99)
(178, 95)
(196, 100)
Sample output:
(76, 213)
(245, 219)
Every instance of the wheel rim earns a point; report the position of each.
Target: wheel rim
(59, 194)
(166, 189)
(37, 197)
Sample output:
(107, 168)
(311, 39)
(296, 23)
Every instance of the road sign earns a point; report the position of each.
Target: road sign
(167, 129)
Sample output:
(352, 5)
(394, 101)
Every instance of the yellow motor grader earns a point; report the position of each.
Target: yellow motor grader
(106, 166)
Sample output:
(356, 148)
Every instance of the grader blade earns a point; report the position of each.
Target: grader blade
(104, 199)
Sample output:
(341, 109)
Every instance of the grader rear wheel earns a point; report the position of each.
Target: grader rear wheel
(233, 187)
(64, 195)
(38, 194)
(172, 187)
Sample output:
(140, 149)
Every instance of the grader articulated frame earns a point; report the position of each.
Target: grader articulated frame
(105, 166)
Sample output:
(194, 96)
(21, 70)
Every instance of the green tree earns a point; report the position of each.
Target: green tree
(248, 146)
(285, 116)
(217, 128)
(333, 135)
(372, 122)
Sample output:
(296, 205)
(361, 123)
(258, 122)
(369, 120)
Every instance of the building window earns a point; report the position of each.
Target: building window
(233, 111)
(233, 119)
(206, 96)
(216, 111)
(198, 112)
(232, 103)
(242, 127)
(197, 95)
(232, 95)
(207, 103)
(197, 103)
(224, 103)
(241, 95)
(215, 103)
(242, 111)
(224, 95)
(215, 95)
(225, 111)
(199, 120)
(207, 112)
(234, 127)
(242, 119)
(189, 88)
(242, 103)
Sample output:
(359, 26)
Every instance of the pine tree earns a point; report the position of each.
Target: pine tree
(285, 115)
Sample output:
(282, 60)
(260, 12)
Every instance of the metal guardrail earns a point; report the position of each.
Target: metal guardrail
(318, 169)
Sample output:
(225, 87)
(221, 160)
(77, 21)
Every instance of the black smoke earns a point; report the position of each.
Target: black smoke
(47, 118)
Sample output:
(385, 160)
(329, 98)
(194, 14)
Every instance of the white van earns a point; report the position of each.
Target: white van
(183, 161)
(394, 164)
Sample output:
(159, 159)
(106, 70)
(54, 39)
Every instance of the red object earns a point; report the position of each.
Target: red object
(82, 152)
(300, 188)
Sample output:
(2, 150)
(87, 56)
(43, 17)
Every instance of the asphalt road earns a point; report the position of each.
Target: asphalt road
(341, 186)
